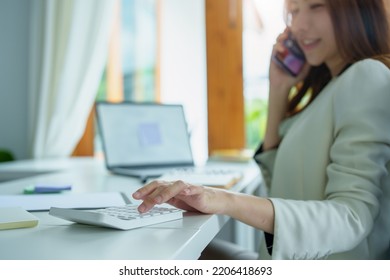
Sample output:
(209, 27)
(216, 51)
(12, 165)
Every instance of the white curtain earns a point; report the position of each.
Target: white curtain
(69, 47)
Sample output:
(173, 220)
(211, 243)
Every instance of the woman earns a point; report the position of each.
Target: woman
(326, 162)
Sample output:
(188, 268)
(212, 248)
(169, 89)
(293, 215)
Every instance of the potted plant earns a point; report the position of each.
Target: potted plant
(5, 155)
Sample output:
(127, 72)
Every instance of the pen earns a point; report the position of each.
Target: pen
(46, 189)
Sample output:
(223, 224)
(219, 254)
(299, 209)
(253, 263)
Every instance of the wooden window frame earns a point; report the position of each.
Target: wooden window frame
(226, 125)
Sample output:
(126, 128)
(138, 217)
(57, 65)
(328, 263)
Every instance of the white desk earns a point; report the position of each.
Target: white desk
(55, 238)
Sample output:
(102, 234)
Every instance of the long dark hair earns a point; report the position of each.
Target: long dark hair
(362, 31)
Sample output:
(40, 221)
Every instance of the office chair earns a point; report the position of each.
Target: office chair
(219, 249)
(388, 253)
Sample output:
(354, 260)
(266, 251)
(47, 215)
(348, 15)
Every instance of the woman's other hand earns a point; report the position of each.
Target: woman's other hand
(280, 80)
(280, 83)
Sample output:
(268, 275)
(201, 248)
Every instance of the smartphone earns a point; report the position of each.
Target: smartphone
(292, 59)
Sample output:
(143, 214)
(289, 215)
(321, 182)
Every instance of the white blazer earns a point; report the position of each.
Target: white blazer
(329, 179)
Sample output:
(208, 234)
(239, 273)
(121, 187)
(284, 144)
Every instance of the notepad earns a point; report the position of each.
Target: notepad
(232, 155)
(16, 217)
(217, 178)
(42, 202)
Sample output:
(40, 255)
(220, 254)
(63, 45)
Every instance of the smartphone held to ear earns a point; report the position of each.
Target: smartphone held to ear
(292, 59)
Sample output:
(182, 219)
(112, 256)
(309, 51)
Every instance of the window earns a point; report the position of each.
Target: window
(131, 69)
(262, 22)
(132, 64)
(139, 49)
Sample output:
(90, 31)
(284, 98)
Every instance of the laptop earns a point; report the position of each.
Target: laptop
(144, 140)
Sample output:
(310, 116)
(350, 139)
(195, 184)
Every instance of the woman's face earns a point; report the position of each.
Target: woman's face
(311, 25)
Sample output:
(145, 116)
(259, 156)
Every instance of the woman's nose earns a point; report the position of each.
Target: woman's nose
(301, 23)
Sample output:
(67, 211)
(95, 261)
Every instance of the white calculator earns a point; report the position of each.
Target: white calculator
(119, 217)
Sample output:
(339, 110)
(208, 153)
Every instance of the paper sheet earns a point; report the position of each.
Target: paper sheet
(42, 202)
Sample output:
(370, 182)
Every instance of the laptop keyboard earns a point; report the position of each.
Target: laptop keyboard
(121, 217)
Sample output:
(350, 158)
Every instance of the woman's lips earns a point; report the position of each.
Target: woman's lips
(309, 44)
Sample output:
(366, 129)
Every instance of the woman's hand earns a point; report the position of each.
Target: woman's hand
(181, 195)
(280, 86)
(281, 81)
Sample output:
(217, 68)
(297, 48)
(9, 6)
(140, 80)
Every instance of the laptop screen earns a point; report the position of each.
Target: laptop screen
(143, 134)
